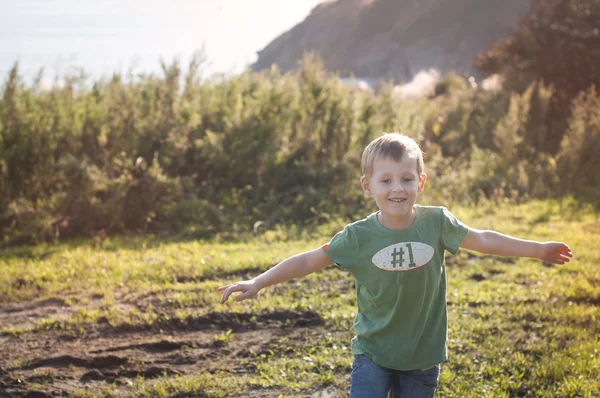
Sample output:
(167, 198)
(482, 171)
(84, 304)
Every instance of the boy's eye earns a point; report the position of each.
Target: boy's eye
(407, 179)
(385, 180)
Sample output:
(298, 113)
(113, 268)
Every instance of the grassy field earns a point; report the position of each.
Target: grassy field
(138, 316)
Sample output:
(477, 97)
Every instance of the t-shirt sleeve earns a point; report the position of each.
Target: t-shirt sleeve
(343, 247)
(453, 231)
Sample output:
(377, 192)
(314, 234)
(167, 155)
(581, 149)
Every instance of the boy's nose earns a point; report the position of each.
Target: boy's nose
(397, 188)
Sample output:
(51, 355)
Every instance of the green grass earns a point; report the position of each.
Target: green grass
(517, 327)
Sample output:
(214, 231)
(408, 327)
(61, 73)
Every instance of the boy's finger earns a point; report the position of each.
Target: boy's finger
(566, 250)
(562, 258)
(223, 288)
(225, 297)
(230, 289)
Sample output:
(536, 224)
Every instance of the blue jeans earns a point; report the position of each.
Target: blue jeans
(369, 380)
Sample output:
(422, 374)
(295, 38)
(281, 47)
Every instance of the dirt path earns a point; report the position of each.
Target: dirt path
(59, 362)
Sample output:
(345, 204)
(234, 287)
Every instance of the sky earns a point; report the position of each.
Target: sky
(104, 36)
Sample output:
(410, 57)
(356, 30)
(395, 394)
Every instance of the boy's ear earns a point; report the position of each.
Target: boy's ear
(365, 185)
(422, 183)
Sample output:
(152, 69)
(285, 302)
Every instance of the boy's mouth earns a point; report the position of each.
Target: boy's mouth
(397, 200)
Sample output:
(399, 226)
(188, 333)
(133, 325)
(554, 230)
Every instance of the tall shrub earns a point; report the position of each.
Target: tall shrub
(578, 160)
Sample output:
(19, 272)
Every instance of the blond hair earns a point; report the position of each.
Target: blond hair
(394, 146)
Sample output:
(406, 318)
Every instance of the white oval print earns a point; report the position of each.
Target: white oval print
(403, 256)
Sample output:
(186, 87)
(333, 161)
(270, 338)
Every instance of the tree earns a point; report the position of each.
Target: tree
(558, 42)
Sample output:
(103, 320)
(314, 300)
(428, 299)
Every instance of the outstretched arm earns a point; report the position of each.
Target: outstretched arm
(492, 242)
(294, 267)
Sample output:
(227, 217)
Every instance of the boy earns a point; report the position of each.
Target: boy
(396, 256)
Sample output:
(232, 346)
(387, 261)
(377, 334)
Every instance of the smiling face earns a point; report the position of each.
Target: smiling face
(395, 185)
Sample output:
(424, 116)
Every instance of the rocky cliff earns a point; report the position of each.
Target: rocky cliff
(395, 39)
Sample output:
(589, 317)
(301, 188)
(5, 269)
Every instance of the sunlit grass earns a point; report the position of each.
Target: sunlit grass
(517, 327)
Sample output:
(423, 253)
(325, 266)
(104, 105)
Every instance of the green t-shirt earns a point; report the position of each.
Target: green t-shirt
(400, 286)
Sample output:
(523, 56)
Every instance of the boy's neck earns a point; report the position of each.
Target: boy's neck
(397, 223)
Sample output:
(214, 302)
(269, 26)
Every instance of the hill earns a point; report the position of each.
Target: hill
(395, 39)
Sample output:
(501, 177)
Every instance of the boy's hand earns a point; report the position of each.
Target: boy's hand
(248, 289)
(555, 253)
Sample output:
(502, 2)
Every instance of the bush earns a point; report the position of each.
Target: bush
(578, 161)
(146, 154)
